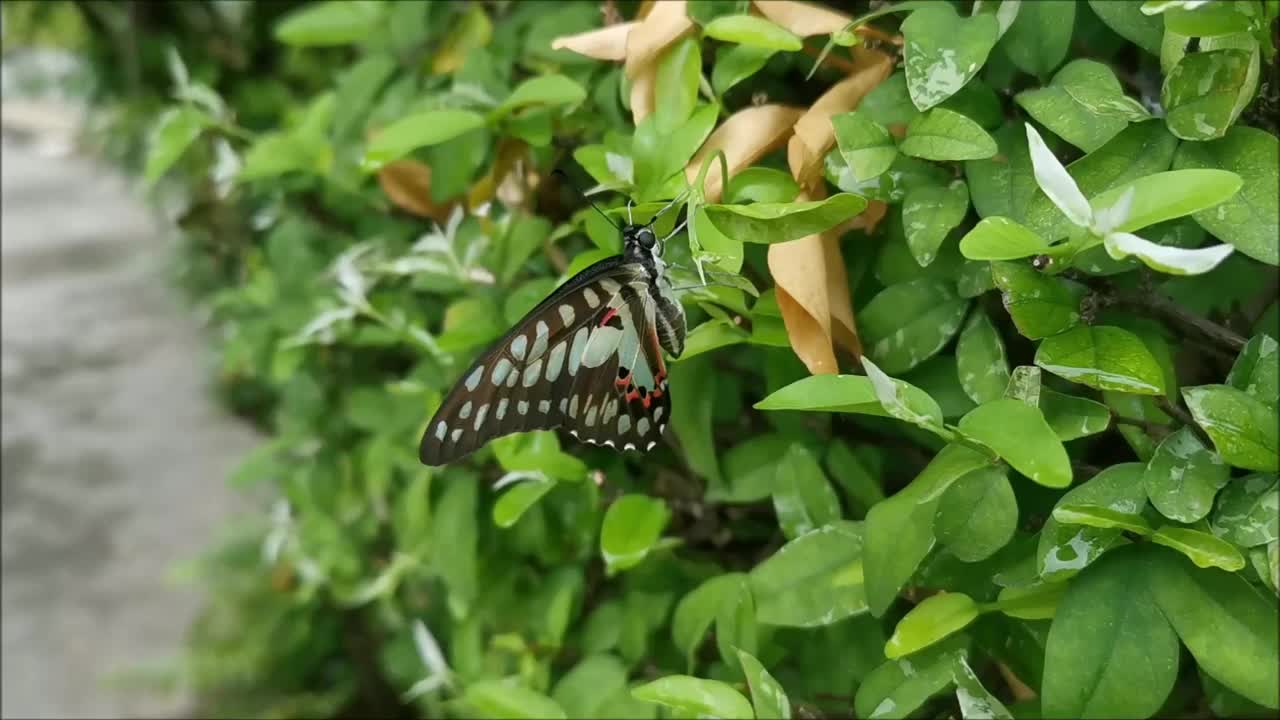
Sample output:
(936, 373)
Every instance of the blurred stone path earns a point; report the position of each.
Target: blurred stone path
(114, 453)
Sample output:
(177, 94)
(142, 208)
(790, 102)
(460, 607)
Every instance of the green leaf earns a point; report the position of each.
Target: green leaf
(176, 129)
(542, 90)
(897, 398)
(1020, 435)
(1205, 92)
(1024, 385)
(1250, 219)
(936, 617)
(658, 154)
(1110, 652)
(802, 497)
(1065, 549)
(584, 690)
(813, 580)
(842, 393)
(1183, 476)
(1038, 39)
(980, 360)
(929, 212)
(1211, 20)
(944, 51)
(767, 695)
(710, 336)
(907, 323)
(1129, 22)
(737, 63)
(1084, 104)
(1102, 357)
(330, 23)
(978, 514)
(516, 501)
(781, 222)
(1167, 195)
(1227, 624)
(501, 699)
(899, 531)
(1003, 185)
(752, 31)
(1073, 417)
(761, 185)
(974, 699)
(942, 134)
(421, 130)
(632, 525)
(866, 145)
(693, 387)
(896, 689)
(275, 154)
(1204, 549)
(676, 88)
(698, 609)
(1256, 370)
(736, 625)
(695, 697)
(1243, 428)
(1248, 511)
(1040, 305)
(999, 238)
(454, 526)
(889, 103)
(1097, 516)
(1038, 601)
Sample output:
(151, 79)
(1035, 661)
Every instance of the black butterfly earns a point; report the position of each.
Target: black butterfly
(588, 357)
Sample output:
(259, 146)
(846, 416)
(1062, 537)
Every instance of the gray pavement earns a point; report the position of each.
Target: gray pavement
(114, 452)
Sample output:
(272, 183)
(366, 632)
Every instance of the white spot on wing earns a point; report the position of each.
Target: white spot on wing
(573, 406)
(590, 419)
(544, 406)
(566, 314)
(473, 380)
(590, 296)
(629, 446)
(532, 372)
(465, 412)
(555, 361)
(518, 346)
(440, 430)
(484, 410)
(541, 333)
(642, 426)
(624, 424)
(522, 407)
(501, 412)
(457, 433)
(575, 352)
(500, 371)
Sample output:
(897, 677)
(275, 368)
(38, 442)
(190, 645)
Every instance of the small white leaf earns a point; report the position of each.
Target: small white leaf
(1106, 220)
(1172, 260)
(1053, 179)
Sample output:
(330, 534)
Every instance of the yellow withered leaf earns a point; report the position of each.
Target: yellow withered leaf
(606, 43)
(642, 92)
(745, 137)
(814, 135)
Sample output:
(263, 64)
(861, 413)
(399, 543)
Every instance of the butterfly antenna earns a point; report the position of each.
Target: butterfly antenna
(563, 175)
(670, 205)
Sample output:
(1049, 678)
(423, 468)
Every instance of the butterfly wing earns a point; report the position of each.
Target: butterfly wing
(622, 401)
(526, 380)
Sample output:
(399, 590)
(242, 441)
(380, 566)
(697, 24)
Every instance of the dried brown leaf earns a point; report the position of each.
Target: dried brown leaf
(745, 137)
(665, 23)
(607, 43)
(407, 183)
(642, 92)
(801, 18)
(814, 135)
(817, 315)
(507, 161)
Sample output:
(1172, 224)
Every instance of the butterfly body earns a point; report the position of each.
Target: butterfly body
(587, 358)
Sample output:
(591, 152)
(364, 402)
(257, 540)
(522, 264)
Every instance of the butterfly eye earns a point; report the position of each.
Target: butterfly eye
(646, 238)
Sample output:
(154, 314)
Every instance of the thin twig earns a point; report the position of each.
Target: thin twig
(1175, 411)
(1172, 313)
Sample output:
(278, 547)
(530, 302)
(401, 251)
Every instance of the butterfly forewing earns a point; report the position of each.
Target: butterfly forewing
(573, 360)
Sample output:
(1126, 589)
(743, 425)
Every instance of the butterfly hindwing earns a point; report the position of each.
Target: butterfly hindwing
(526, 380)
(619, 398)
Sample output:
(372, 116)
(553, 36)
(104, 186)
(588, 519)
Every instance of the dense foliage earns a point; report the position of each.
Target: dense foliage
(1048, 488)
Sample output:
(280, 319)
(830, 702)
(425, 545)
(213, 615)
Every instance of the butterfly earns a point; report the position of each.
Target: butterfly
(587, 358)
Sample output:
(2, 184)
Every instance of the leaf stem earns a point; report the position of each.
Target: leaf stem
(1162, 307)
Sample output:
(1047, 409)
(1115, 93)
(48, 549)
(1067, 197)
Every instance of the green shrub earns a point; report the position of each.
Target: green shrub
(1053, 469)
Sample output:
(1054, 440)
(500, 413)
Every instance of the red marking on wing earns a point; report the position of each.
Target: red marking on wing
(604, 319)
